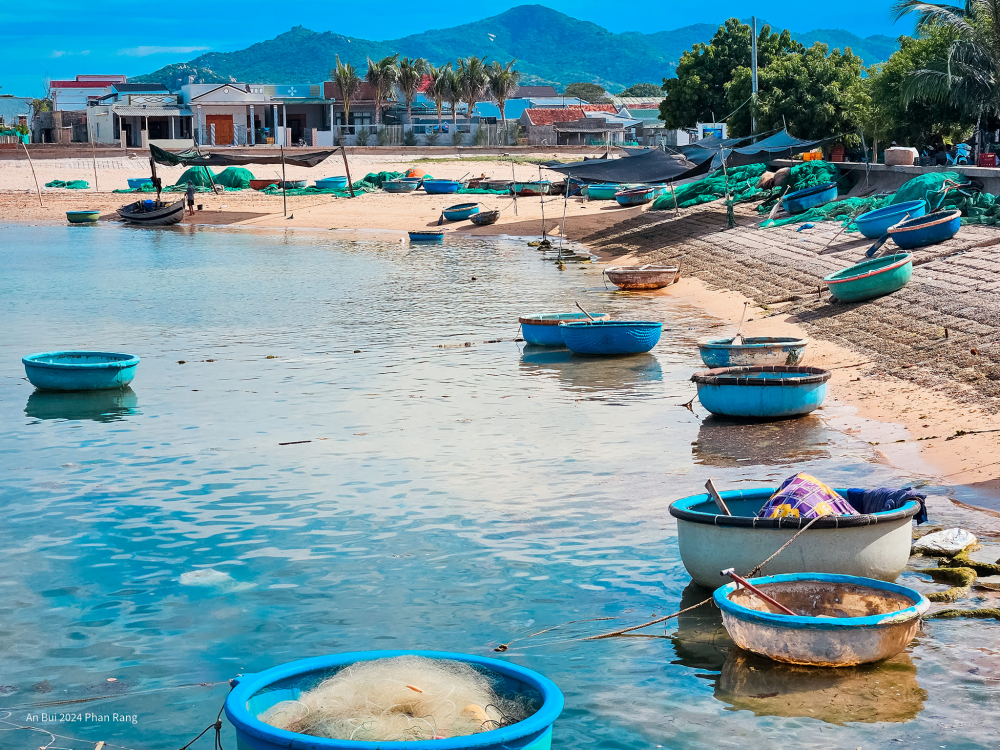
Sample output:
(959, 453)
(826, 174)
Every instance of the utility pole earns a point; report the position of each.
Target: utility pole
(753, 68)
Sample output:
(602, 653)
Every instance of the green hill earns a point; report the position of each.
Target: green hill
(550, 47)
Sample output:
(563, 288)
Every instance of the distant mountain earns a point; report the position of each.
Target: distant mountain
(550, 47)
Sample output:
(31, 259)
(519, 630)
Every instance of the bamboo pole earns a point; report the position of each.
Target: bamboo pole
(93, 152)
(541, 198)
(562, 234)
(347, 169)
(42, 205)
(284, 198)
(513, 184)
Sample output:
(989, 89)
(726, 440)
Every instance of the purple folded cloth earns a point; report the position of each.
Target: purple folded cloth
(804, 496)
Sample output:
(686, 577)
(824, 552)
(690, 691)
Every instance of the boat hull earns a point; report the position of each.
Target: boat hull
(400, 186)
(441, 187)
(771, 392)
(461, 212)
(853, 545)
(426, 237)
(603, 191)
(926, 230)
(262, 184)
(332, 183)
(871, 278)
(136, 183)
(485, 218)
(82, 217)
(636, 197)
(527, 189)
(157, 217)
(642, 279)
(830, 639)
(876, 223)
(802, 200)
(611, 337)
(753, 352)
(543, 329)
(79, 371)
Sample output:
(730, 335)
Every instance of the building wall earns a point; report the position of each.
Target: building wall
(13, 108)
(76, 98)
(60, 127)
(539, 135)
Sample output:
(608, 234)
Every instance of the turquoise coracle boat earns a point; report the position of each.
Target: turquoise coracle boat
(603, 191)
(461, 211)
(82, 217)
(802, 200)
(768, 392)
(871, 278)
(79, 371)
(542, 329)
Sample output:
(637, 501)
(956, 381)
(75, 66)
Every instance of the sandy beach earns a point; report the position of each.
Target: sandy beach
(914, 374)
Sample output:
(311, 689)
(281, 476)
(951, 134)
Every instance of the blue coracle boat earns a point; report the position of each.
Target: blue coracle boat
(634, 196)
(255, 694)
(461, 211)
(79, 371)
(876, 223)
(753, 351)
(134, 183)
(441, 187)
(542, 329)
(82, 217)
(802, 200)
(428, 236)
(611, 336)
(871, 278)
(332, 183)
(926, 230)
(603, 191)
(770, 392)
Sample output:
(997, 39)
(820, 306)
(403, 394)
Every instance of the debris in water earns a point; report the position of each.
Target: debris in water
(215, 579)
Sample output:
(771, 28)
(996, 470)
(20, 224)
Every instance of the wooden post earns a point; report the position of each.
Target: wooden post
(541, 197)
(347, 169)
(284, 198)
(673, 192)
(562, 236)
(513, 184)
(93, 153)
(42, 205)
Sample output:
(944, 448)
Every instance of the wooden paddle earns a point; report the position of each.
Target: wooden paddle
(739, 331)
(870, 253)
(710, 486)
(584, 311)
(743, 582)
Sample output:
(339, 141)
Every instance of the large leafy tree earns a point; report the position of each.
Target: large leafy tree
(409, 75)
(968, 76)
(473, 80)
(381, 76)
(812, 92)
(698, 93)
(589, 92)
(643, 89)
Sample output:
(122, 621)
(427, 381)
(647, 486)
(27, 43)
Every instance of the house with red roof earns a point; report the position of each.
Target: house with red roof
(84, 89)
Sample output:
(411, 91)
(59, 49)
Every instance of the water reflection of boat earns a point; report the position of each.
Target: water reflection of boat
(583, 373)
(726, 443)
(99, 406)
(887, 691)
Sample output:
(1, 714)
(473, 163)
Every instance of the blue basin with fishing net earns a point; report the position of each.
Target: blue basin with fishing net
(254, 695)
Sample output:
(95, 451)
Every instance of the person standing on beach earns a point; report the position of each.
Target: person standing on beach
(190, 197)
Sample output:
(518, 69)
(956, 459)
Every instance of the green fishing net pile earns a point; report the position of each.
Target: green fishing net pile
(71, 185)
(976, 207)
(231, 178)
(234, 178)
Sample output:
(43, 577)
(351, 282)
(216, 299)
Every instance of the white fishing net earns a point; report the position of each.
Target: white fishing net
(402, 698)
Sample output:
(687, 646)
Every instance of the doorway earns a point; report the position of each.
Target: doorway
(223, 129)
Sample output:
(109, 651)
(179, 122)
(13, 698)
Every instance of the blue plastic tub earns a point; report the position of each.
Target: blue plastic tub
(802, 200)
(542, 329)
(611, 336)
(332, 183)
(441, 187)
(134, 183)
(256, 693)
(876, 223)
(927, 230)
(770, 392)
(79, 371)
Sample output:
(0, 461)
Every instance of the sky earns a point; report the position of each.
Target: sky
(54, 40)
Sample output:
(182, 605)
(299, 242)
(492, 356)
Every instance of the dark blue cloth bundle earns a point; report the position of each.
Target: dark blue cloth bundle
(886, 498)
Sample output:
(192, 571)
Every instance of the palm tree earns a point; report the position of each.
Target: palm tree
(409, 75)
(437, 88)
(474, 81)
(453, 92)
(969, 77)
(349, 83)
(381, 76)
(504, 81)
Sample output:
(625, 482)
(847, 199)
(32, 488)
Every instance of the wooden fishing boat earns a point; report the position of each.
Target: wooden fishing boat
(262, 184)
(643, 277)
(79, 371)
(460, 211)
(926, 230)
(607, 337)
(543, 329)
(770, 392)
(426, 236)
(871, 278)
(876, 223)
(485, 218)
(841, 620)
(802, 200)
(82, 217)
(752, 351)
(441, 187)
(634, 196)
(153, 213)
(400, 186)
(602, 191)
(874, 545)
(527, 189)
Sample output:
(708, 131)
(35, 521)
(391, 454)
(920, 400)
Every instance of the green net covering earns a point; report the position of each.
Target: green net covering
(199, 176)
(236, 178)
(71, 185)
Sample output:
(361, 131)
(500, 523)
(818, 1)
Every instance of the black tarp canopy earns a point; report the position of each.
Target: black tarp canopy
(193, 158)
(781, 145)
(646, 166)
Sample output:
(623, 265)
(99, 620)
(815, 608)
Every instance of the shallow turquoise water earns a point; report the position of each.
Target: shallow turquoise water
(452, 497)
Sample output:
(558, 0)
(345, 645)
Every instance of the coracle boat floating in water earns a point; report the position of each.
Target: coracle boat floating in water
(255, 695)
(426, 236)
(876, 223)
(153, 213)
(875, 545)
(609, 337)
(926, 230)
(769, 392)
(542, 329)
(634, 196)
(802, 200)
(82, 217)
(754, 351)
(460, 211)
(485, 218)
(638, 278)
(842, 620)
(871, 278)
(79, 371)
